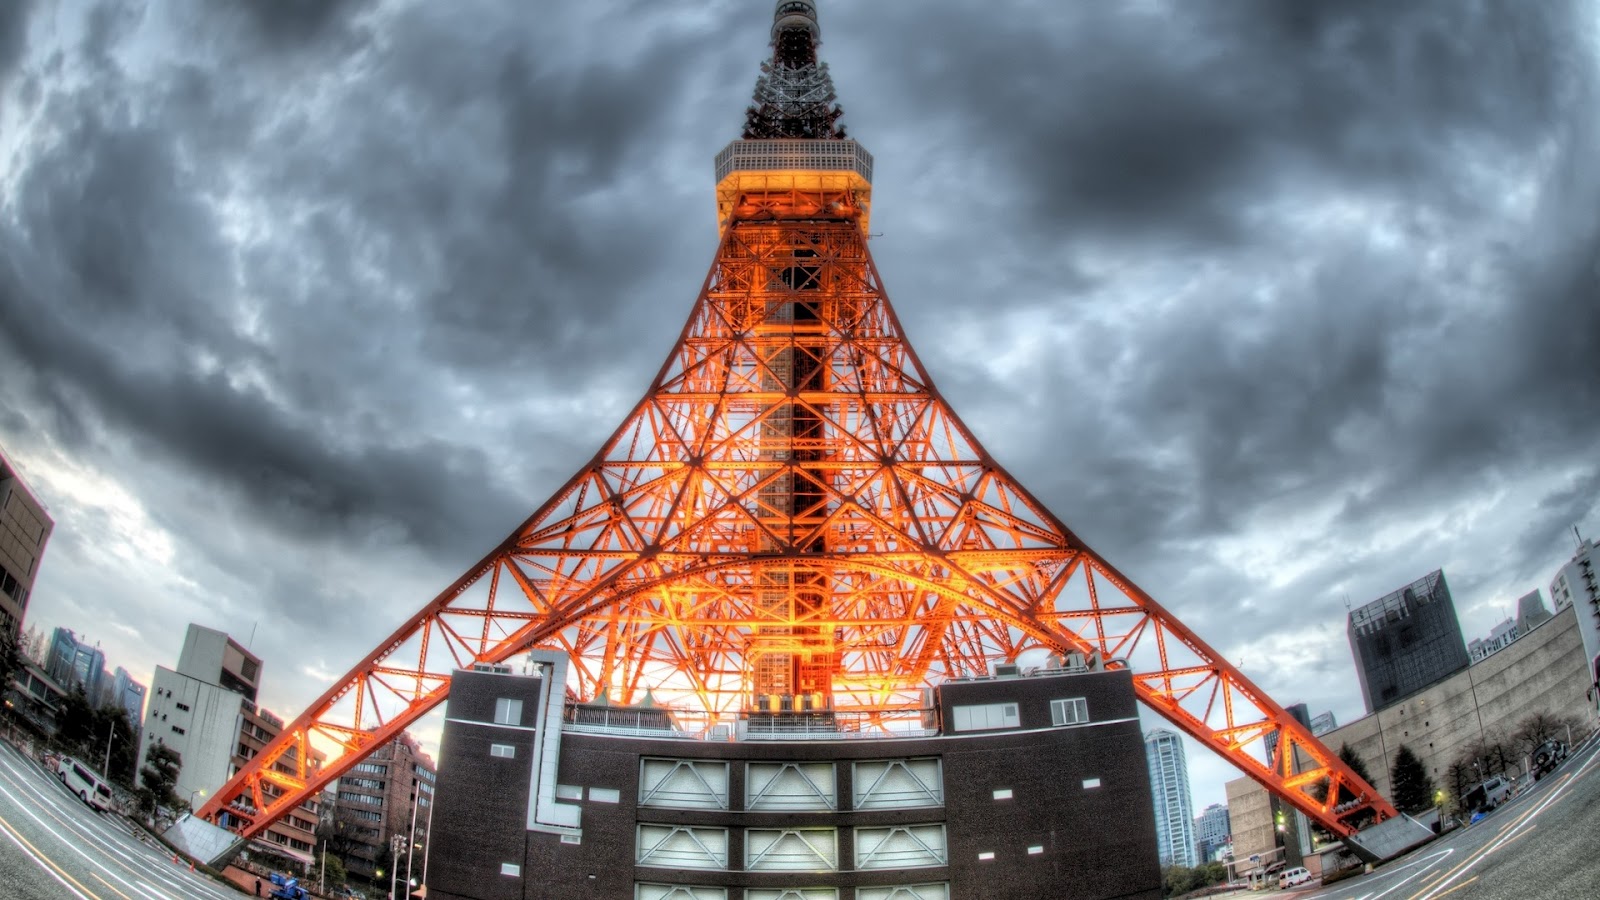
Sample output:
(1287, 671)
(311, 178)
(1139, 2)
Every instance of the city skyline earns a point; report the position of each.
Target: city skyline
(315, 450)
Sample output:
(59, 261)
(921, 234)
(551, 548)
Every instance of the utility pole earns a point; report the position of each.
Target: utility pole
(111, 733)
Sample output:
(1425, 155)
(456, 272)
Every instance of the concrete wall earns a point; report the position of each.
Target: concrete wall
(1542, 671)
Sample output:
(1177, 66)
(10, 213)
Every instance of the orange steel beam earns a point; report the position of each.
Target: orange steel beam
(793, 488)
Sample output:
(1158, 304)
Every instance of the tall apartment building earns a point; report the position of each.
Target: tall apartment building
(1211, 831)
(388, 795)
(24, 529)
(1406, 640)
(205, 709)
(1577, 585)
(1169, 786)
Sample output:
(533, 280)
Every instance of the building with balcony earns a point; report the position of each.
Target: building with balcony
(1002, 787)
(1174, 806)
(1577, 586)
(24, 530)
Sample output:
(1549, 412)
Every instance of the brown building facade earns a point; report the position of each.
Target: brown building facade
(24, 529)
(384, 804)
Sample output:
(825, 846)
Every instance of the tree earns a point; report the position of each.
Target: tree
(1410, 785)
(159, 776)
(1350, 759)
(10, 659)
(75, 722)
(1537, 728)
(342, 832)
(333, 877)
(1458, 779)
(110, 724)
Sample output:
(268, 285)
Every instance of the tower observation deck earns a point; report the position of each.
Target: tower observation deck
(792, 525)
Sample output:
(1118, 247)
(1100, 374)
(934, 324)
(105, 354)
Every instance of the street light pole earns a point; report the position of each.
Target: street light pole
(411, 850)
(394, 861)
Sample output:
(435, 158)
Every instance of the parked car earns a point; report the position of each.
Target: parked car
(1486, 796)
(80, 780)
(1294, 876)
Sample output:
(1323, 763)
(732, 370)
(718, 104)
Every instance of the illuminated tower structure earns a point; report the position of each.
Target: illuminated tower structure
(792, 532)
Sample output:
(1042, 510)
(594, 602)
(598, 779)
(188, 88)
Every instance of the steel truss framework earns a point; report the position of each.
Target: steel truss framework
(793, 507)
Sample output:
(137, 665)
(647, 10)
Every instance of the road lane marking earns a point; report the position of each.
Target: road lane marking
(1556, 793)
(89, 825)
(111, 886)
(1459, 886)
(70, 845)
(45, 862)
(82, 822)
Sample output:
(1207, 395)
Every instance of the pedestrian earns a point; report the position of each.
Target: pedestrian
(258, 885)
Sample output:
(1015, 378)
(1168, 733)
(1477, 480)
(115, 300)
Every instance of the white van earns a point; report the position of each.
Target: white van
(1292, 877)
(86, 784)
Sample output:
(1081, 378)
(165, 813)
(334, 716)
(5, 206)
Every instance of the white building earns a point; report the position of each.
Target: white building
(1577, 585)
(1169, 786)
(196, 709)
(1500, 637)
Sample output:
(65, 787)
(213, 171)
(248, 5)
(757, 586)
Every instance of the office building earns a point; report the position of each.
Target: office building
(205, 709)
(1174, 808)
(1576, 586)
(1531, 611)
(24, 530)
(74, 663)
(1006, 788)
(128, 694)
(1322, 723)
(1211, 831)
(385, 801)
(1405, 641)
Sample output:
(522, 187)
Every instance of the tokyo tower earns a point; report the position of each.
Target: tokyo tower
(792, 521)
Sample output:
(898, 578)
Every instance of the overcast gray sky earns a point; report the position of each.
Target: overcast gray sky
(304, 305)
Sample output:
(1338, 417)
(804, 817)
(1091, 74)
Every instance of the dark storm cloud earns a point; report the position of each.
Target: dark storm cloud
(14, 19)
(1269, 301)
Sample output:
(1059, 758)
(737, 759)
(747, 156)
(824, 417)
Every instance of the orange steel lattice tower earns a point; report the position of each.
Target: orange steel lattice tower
(792, 518)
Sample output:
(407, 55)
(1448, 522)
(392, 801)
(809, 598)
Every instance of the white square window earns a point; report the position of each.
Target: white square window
(986, 855)
(511, 869)
(1035, 850)
(1071, 711)
(604, 795)
(1003, 794)
(507, 712)
(504, 751)
(1091, 783)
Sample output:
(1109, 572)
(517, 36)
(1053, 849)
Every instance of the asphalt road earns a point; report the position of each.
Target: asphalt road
(1544, 844)
(54, 847)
